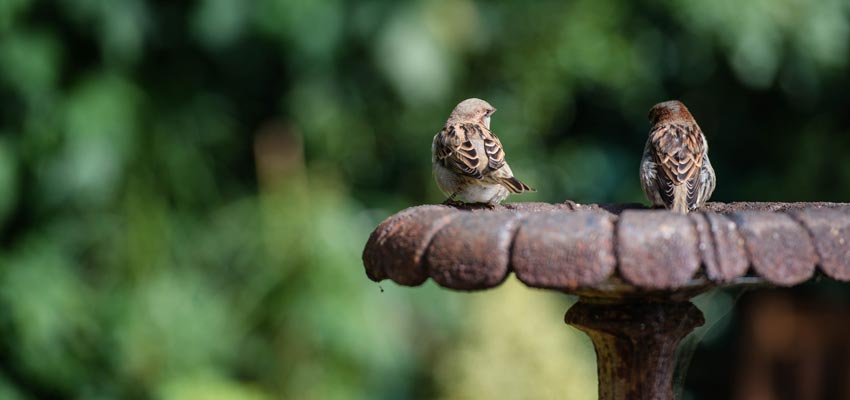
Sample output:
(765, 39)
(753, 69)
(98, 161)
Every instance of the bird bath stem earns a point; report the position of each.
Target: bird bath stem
(635, 345)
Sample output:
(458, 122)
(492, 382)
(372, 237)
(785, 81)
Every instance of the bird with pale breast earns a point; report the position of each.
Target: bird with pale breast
(468, 159)
(675, 171)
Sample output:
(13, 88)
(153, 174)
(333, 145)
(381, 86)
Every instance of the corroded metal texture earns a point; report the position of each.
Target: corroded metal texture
(658, 249)
(780, 249)
(596, 249)
(471, 252)
(721, 247)
(635, 345)
(830, 231)
(564, 251)
(396, 247)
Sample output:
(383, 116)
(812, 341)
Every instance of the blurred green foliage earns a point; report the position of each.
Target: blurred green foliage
(185, 187)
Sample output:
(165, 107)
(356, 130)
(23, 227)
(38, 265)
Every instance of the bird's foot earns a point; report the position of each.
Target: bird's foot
(453, 203)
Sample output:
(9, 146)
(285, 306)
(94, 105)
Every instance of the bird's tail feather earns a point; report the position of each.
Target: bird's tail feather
(680, 199)
(515, 186)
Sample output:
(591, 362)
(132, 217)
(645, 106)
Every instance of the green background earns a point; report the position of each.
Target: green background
(186, 186)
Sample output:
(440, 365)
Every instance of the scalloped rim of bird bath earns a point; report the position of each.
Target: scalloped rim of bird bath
(604, 250)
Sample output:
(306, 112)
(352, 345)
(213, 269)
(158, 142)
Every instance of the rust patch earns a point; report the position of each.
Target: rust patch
(657, 249)
(635, 344)
(721, 247)
(779, 248)
(472, 251)
(830, 229)
(395, 248)
(564, 250)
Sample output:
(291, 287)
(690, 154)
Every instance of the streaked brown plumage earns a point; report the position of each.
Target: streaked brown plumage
(675, 170)
(468, 159)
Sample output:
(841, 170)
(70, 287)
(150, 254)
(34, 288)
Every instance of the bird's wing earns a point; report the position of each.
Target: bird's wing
(492, 146)
(678, 150)
(454, 149)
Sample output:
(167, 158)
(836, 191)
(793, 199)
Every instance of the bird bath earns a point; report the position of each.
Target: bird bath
(634, 270)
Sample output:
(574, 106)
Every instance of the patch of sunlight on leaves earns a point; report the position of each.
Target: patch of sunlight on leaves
(414, 59)
(207, 387)
(825, 33)
(755, 57)
(314, 27)
(457, 23)
(174, 324)
(30, 62)
(321, 113)
(755, 32)
(591, 43)
(100, 124)
(218, 23)
(123, 25)
(514, 345)
(48, 313)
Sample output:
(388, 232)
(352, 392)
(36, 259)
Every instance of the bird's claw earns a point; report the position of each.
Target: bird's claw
(453, 202)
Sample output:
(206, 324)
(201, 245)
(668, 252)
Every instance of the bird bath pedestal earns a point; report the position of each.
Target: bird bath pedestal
(634, 270)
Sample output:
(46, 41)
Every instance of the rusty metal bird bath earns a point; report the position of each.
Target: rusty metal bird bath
(633, 269)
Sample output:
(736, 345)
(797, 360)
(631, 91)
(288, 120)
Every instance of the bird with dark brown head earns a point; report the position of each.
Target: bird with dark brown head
(668, 110)
(675, 171)
(468, 159)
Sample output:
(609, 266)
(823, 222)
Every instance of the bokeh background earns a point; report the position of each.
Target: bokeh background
(186, 186)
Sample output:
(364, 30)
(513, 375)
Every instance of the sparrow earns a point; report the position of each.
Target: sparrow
(468, 159)
(675, 171)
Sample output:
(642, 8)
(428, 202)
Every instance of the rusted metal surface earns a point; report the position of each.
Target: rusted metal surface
(539, 207)
(830, 231)
(727, 208)
(396, 247)
(780, 249)
(600, 248)
(657, 249)
(635, 345)
(564, 250)
(472, 252)
(721, 247)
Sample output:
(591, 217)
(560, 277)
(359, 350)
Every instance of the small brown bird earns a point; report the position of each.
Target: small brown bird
(675, 171)
(468, 160)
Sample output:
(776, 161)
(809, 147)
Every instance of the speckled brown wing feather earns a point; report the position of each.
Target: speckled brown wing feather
(493, 148)
(678, 152)
(455, 151)
(459, 146)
